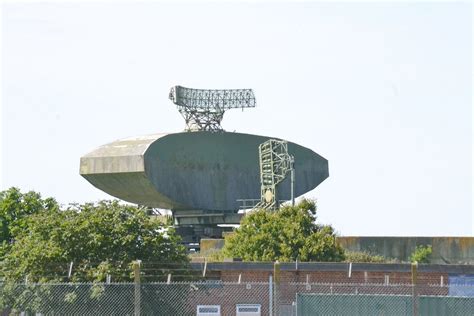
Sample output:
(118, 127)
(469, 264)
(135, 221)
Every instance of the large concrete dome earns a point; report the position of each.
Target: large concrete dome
(193, 170)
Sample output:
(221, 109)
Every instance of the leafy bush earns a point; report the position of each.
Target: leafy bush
(288, 234)
(421, 254)
(363, 256)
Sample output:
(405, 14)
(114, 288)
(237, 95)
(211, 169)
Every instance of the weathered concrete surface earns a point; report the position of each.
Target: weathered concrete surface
(209, 244)
(199, 170)
(454, 250)
(118, 169)
(205, 218)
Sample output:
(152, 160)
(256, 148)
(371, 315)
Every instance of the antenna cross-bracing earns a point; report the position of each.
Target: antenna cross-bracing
(275, 163)
(203, 110)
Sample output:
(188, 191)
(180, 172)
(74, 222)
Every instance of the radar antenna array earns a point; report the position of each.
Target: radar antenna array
(203, 110)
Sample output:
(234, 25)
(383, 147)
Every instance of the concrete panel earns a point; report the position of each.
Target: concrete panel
(198, 170)
(454, 250)
(209, 244)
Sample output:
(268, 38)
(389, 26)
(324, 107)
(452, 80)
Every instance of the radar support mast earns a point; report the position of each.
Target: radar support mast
(275, 163)
(203, 110)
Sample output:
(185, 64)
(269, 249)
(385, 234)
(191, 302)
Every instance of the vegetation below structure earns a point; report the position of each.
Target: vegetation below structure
(43, 242)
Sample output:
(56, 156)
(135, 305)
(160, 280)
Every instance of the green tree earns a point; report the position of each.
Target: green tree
(99, 239)
(15, 207)
(287, 234)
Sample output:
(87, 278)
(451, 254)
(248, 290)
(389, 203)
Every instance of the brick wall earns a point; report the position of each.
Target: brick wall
(372, 277)
(392, 279)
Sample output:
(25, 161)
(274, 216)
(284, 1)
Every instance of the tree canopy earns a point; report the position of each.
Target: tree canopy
(98, 238)
(288, 234)
(15, 207)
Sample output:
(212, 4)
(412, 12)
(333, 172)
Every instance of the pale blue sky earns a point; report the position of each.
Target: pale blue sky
(383, 91)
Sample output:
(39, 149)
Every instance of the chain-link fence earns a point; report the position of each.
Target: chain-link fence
(224, 298)
(366, 299)
(181, 298)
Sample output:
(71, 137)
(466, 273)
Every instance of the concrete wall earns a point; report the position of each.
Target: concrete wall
(209, 244)
(446, 250)
(453, 250)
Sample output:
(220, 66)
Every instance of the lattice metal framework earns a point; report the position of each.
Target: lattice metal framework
(203, 110)
(275, 163)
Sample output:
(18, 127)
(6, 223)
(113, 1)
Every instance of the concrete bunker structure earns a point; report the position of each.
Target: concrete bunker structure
(200, 174)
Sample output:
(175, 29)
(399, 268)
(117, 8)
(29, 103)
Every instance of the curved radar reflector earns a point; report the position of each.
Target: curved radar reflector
(203, 109)
(193, 171)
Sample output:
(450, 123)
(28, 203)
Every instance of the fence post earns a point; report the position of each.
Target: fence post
(136, 275)
(276, 297)
(70, 270)
(414, 281)
(205, 268)
(270, 295)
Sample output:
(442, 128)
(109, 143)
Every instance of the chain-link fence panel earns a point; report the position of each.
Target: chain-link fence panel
(448, 305)
(362, 304)
(350, 304)
(375, 299)
(185, 298)
(68, 299)
(182, 298)
(225, 298)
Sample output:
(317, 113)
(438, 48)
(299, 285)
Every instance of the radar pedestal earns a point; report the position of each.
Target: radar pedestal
(203, 110)
(194, 225)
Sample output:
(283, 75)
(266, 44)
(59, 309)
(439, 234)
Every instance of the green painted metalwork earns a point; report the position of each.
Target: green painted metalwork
(275, 163)
(355, 305)
(396, 305)
(446, 305)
